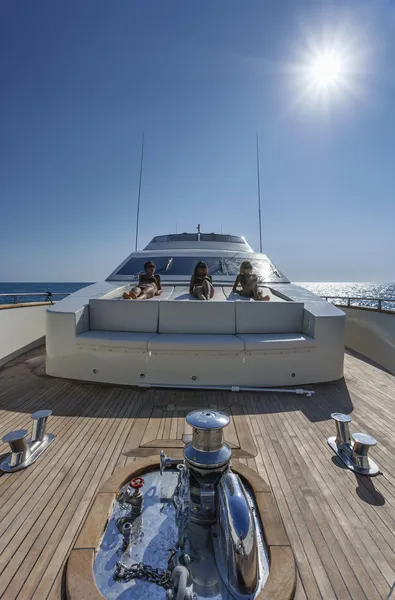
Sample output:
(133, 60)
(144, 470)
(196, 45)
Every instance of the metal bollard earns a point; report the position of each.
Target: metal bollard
(354, 454)
(342, 428)
(360, 449)
(39, 425)
(24, 454)
(20, 450)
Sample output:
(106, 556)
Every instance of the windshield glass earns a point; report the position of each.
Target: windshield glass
(167, 265)
(220, 266)
(262, 267)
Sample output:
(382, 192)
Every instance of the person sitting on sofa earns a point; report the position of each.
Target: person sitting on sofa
(201, 285)
(248, 282)
(149, 284)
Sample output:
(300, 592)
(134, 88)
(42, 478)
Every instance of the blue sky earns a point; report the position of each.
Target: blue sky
(81, 81)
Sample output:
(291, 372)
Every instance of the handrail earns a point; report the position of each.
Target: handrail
(48, 295)
(364, 298)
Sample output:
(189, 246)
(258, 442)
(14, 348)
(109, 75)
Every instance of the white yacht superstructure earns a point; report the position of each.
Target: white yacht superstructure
(176, 340)
(311, 507)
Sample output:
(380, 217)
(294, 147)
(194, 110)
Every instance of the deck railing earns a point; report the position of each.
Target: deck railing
(46, 295)
(348, 301)
(361, 302)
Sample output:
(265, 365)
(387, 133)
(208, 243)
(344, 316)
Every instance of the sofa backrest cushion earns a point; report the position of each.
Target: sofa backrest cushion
(197, 317)
(124, 315)
(269, 317)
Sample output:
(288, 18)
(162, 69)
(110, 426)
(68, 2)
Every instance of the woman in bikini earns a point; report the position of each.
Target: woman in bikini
(201, 285)
(248, 283)
(148, 287)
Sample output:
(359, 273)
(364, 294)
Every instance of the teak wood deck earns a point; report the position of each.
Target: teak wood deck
(341, 527)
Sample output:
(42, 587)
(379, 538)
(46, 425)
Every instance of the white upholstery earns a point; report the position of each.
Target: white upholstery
(265, 342)
(115, 339)
(269, 317)
(167, 291)
(165, 295)
(199, 317)
(181, 293)
(235, 297)
(128, 315)
(195, 343)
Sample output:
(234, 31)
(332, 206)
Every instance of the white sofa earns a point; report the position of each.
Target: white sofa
(177, 340)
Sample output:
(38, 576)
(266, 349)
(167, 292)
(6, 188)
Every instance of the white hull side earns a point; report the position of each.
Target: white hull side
(129, 368)
(21, 329)
(372, 333)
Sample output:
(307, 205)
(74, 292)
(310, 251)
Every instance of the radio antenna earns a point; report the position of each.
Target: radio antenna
(138, 199)
(259, 195)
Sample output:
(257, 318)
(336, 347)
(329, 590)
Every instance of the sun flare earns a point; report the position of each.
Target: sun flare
(326, 69)
(330, 68)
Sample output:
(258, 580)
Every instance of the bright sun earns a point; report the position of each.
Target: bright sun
(329, 70)
(326, 69)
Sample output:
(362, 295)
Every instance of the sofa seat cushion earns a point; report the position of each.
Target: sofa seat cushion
(269, 317)
(167, 342)
(137, 316)
(265, 342)
(198, 317)
(235, 297)
(115, 339)
(181, 293)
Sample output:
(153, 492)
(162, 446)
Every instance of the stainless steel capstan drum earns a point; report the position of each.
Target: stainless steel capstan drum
(207, 449)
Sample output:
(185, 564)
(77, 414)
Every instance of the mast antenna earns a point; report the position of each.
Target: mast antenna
(259, 195)
(138, 199)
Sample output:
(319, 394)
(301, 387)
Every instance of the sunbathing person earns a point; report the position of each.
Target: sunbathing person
(248, 283)
(201, 285)
(149, 284)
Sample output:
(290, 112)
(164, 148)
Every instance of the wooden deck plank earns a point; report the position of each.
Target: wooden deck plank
(43, 546)
(298, 536)
(39, 580)
(13, 485)
(310, 498)
(368, 497)
(341, 528)
(230, 434)
(65, 494)
(152, 429)
(345, 508)
(334, 516)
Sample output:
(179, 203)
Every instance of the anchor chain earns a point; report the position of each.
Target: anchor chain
(161, 577)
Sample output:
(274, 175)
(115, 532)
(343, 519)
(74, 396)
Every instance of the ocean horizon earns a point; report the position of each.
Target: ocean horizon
(335, 289)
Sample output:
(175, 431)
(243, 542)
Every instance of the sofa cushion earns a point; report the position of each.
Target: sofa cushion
(269, 317)
(235, 297)
(198, 317)
(115, 339)
(181, 293)
(127, 315)
(265, 342)
(167, 342)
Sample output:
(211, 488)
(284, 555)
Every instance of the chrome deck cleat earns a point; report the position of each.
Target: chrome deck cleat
(25, 452)
(353, 450)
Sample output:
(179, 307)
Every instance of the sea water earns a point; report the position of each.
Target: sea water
(352, 289)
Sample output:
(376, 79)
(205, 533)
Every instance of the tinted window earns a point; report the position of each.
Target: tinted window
(219, 237)
(183, 237)
(261, 266)
(176, 237)
(136, 265)
(184, 265)
(167, 265)
(193, 237)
